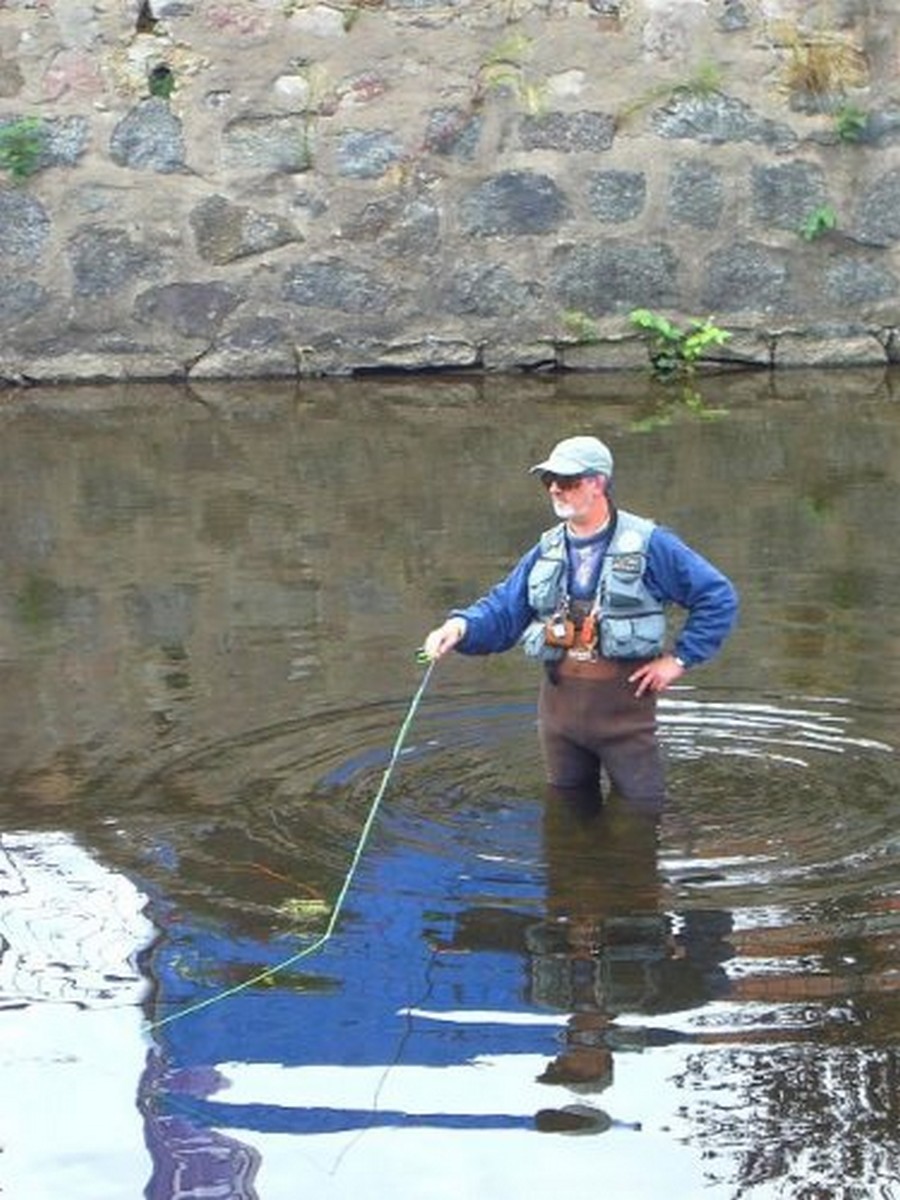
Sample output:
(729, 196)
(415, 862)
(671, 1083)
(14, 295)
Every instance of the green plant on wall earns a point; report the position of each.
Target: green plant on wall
(674, 354)
(819, 222)
(850, 122)
(704, 81)
(504, 70)
(673, 350)
(21, 145)
(161, 81)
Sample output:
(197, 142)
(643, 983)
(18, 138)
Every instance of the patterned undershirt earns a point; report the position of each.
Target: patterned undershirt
(585, 555)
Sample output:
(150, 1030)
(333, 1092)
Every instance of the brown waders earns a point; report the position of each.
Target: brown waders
(590, 719)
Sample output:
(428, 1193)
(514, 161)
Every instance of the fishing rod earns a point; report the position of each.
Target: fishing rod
(264, 976)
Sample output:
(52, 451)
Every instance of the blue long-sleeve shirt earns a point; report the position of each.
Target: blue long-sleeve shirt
(675, 574)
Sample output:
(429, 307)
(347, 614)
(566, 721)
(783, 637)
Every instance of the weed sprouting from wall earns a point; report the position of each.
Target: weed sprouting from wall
(819, 222)
(21, 145)
(504, 70)
(705, 80)
(850, 122)
(673, 350)
(161, 81)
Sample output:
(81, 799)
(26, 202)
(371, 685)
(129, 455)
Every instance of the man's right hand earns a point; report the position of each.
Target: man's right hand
(445, 637)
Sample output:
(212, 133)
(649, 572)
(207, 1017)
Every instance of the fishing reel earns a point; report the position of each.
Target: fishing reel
(560, 631)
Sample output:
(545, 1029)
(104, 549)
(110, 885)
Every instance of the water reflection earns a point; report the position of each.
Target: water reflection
(605, 947)
(70, 1041)
(553, 946)
(205, 645)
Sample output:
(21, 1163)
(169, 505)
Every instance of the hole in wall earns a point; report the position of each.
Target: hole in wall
(146, 22)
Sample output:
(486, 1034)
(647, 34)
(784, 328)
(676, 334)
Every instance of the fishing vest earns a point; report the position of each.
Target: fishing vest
(631, 621)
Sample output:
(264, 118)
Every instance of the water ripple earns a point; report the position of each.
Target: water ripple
(778, 854)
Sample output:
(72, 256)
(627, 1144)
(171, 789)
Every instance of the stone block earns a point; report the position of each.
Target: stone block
(428, 353)
(400, 224)
(226, 232)
(105, 260)
(878, 215)
(258, 347)
(852, 281)
(270, 143)
(517, 203)
(20, 299)
(824, 348)
(26, 228)
(191, 310)
(367, 153)
(716, 119)
(149, 138)
(745, 277)
(336, 284)
(453, 132)
(621, 354)
(486, 289)
(568, 132)
(784, 194)
(611, 277)
(696, 194)
(617, 196)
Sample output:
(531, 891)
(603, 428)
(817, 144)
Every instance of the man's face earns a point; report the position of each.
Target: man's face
(575, 497)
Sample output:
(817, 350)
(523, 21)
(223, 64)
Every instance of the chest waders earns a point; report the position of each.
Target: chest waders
(589, 718)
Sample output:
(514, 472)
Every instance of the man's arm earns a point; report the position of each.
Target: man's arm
(492, 624)
(677, 574)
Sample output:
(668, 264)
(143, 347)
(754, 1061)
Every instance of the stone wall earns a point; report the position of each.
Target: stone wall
(276, 187)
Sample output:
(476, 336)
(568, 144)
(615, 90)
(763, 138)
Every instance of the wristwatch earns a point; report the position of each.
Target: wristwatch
(680, 662)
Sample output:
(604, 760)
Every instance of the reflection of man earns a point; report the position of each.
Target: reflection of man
(588, 601)
(604, 949)
(607, 948)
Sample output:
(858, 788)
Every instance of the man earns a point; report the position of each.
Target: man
(588, 601)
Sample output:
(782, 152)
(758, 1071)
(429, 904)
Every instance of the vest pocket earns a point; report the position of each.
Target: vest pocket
(543, 583)
(534, 643)
(632, 637)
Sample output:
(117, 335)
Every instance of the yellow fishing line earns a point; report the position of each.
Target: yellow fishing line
(269, 972)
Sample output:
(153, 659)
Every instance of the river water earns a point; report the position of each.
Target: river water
(211, 601)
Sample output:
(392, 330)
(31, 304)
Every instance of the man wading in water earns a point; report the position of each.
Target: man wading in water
(589, 602)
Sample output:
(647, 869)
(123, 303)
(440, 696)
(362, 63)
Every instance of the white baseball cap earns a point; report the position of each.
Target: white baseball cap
(577, 456)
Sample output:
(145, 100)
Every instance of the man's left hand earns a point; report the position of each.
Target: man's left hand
(656, 675)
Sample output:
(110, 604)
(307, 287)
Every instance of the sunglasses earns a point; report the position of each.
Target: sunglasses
(565, 483)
